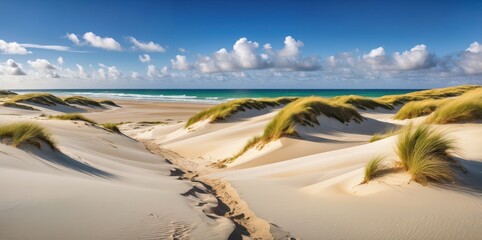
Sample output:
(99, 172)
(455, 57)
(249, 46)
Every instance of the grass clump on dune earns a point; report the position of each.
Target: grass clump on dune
(426, 154)
(304, 112)
(79, 100)
(39, 98)
(418, 108)
(225, 110)
(467, 107)
(108, 102)
(22, 132)
(373, 169)
(72, 116)
(436, 93)
(7, 93)
(388, 133)
(19, 106)
(112, 127)
(363, 103)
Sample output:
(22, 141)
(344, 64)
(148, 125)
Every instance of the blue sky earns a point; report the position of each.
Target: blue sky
(320, 44)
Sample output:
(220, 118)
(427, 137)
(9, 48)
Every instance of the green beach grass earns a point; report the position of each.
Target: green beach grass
(22, 132)
(465, 108)
(72, 116)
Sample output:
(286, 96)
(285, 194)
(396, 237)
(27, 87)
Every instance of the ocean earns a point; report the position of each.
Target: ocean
(215, 95)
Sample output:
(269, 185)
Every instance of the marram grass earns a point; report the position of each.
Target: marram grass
(72, 116)
(419, 108)
(22, 132)
(360, 102)
(467, 107)
(388, 133)
(373, 169)
(19, 106)
(426, 154)
(79, 100)
(39, 98)
(112, 127)
(225, 110)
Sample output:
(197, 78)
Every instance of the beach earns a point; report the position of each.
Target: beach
(166, 175)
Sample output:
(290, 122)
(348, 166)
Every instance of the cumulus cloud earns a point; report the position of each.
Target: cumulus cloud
(417, 58)
(180, 63)
(60, 60)
(10, 67)
(145, 58)
(72, 37)
(101, 42)
(182, 50)
(81, 72)
(43, 67)
(12, 48)
(470, 60)
(146, 46)
(244, 55)
(154, 72)
(108, 72)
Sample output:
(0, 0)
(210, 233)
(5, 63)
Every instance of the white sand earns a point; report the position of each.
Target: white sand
(108, 186)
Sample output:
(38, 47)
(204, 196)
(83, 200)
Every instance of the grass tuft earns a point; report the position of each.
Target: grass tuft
(108, 102)
(7, 93)
(467, 107)
(225, 110)
(388, 133)
(363, 103)
(39, 98)
(79, 100)
(426, 154)
(72, 116)
(112, 127)
(418, 108)
(373, 169)
(25, 132)
(19, 106)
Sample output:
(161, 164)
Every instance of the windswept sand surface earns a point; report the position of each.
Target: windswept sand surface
(108, 186)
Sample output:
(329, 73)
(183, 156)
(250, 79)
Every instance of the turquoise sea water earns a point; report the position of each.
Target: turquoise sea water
(217, 95)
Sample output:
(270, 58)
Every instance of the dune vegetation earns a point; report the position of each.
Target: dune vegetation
(360, 102)
(467, 107)
(108, 102)
(79, 100)
(7, 93)
(72, 116)
(21, 132)
(387, 133)
(227, 109)
(302, 112)
(418, 108)
(39, 98)
(19, 106)
(426, 154)
(436, 93)
(112, 127)
(373, 169)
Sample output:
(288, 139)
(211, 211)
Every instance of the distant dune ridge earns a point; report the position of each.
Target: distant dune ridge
(403, 166)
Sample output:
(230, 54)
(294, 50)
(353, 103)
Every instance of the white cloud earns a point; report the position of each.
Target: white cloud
(48, 47)
(145, 58)
(81, 72)
(417, 58)
(475, 47)
(135, 75)
(10, 67)
(102, 42)
(154, 72)
(72, 37)
(245, 56)
(108, 72)
(12, 48)
(470, 60)
(60, 60)
(180, 63)
(146, 46)
(182, 50)
(44, 68)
